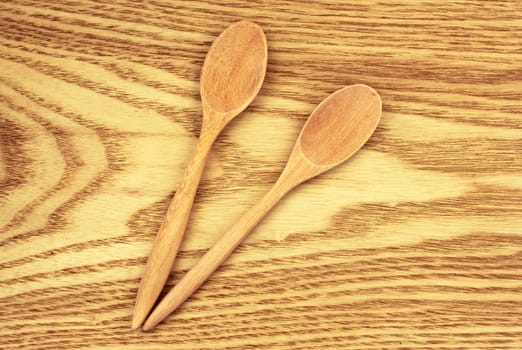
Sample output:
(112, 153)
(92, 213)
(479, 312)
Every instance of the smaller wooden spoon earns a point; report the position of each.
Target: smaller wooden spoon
(337, 128)
(231, 77)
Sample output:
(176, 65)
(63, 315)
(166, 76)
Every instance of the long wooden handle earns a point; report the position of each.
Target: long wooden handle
(214, 257)
(169, 236)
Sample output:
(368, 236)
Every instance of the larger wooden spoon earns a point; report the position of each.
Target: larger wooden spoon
(231, 77)
(337, 128)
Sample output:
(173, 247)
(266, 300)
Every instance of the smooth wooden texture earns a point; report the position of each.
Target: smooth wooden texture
(231, 77)
(335, 130)
(100, 114)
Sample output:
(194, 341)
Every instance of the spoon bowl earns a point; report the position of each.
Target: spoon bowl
(337, 128)
(233, 71)
(340, 125)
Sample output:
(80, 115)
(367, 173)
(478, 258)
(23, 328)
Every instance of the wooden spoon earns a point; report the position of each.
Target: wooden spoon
(231, 77)
(337, 128)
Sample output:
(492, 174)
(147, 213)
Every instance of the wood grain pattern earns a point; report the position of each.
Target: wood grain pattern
(415, 243)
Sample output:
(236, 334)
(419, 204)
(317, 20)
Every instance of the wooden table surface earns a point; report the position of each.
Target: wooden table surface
(415, 243)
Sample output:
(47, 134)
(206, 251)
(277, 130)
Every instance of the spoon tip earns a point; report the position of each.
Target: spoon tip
(136, 322)
(369, 90)
(371, 97)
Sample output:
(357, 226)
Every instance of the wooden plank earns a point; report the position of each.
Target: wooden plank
(415, 243)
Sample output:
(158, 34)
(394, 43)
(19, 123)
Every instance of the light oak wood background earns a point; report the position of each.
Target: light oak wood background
(415, 243)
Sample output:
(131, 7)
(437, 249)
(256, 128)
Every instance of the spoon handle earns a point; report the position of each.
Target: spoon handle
(170, 234)
(215, 256)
